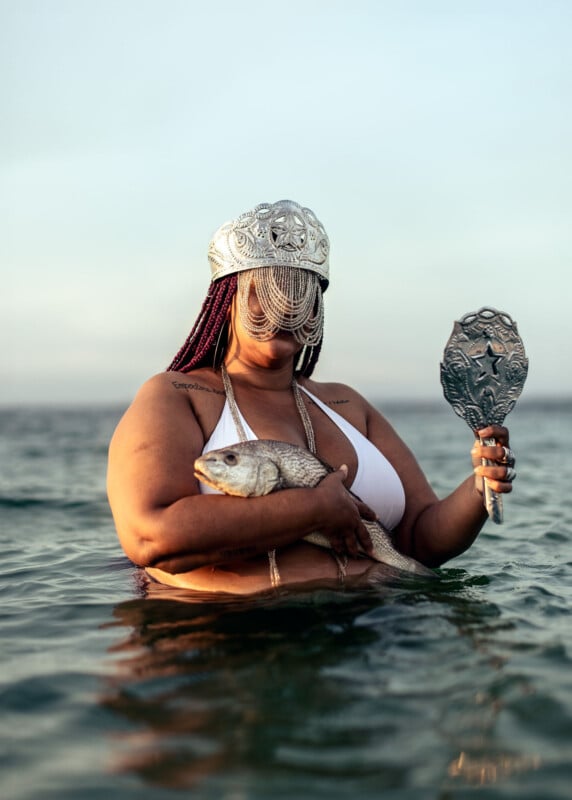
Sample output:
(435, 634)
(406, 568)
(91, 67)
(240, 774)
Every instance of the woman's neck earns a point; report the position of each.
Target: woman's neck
(278, 378)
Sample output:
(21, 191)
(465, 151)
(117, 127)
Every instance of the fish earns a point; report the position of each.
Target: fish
(258, 467)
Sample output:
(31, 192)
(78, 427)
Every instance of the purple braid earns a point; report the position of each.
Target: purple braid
(200, 347)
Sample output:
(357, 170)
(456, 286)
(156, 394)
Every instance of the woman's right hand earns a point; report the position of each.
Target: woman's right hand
(343, 524)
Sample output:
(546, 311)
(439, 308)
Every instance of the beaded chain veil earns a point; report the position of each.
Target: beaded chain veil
(290, 300)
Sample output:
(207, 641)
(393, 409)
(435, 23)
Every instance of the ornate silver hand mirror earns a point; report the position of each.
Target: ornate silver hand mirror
(483, 371)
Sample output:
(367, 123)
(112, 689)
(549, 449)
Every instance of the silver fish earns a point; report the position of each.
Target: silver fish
(261, 466)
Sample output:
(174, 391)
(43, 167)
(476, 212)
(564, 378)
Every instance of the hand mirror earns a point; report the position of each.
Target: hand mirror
(483, 371)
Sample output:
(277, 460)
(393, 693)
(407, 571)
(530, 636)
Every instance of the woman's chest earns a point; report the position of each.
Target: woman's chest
(302, 423)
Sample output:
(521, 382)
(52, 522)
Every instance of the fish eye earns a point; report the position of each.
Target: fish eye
(230, 458)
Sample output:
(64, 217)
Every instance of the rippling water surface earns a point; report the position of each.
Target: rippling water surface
(112, 689)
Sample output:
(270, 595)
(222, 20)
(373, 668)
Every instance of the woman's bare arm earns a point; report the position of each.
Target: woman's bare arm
(433, 530)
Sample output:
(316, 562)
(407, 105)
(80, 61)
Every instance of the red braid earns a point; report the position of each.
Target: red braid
(200, 347)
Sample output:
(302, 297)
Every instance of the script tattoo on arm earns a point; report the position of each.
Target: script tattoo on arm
(195, 387)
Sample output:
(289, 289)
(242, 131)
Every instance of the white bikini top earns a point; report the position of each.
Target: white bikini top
(376, 482)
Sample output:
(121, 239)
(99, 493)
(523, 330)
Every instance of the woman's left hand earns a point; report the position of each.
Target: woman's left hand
(501, 472)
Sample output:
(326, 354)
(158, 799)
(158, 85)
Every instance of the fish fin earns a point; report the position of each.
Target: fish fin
(267, 478)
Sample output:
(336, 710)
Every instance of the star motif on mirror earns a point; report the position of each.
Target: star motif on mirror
(488, 363)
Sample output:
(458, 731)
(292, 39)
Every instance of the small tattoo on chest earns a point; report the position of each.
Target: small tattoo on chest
(337, 402)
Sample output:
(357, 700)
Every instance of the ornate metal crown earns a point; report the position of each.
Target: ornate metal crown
(281, 234)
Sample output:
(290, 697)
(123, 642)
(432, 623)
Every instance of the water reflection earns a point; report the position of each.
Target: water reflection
(376, 690)
(213, 686)
(491, 769)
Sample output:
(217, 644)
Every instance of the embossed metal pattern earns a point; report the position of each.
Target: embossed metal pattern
(272, 234)
(484, 367)
(483, 371)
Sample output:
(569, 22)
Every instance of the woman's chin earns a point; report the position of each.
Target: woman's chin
(281, 346)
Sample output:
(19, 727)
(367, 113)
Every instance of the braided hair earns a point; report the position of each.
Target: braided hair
(200, 347)
(206, 344)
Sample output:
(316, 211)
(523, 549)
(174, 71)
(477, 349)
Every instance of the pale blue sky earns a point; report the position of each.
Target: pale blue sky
(432, 139)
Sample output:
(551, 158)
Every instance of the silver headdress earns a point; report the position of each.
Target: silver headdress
(280, 251)
(272, 234)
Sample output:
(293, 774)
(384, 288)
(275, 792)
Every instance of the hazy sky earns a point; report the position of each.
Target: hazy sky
(433, 140)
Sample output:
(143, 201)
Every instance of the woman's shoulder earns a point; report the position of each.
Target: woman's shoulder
(172, 402)
(349, 403)
(172, 393)
(334, 393)
(173, 384)
(342, 399)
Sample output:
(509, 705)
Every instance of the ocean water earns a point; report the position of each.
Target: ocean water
(110, 689)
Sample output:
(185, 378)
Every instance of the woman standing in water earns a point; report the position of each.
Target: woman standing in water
(245, 372)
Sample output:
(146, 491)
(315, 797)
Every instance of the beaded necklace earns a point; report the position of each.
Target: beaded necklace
(308, 428)
(302, 410)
